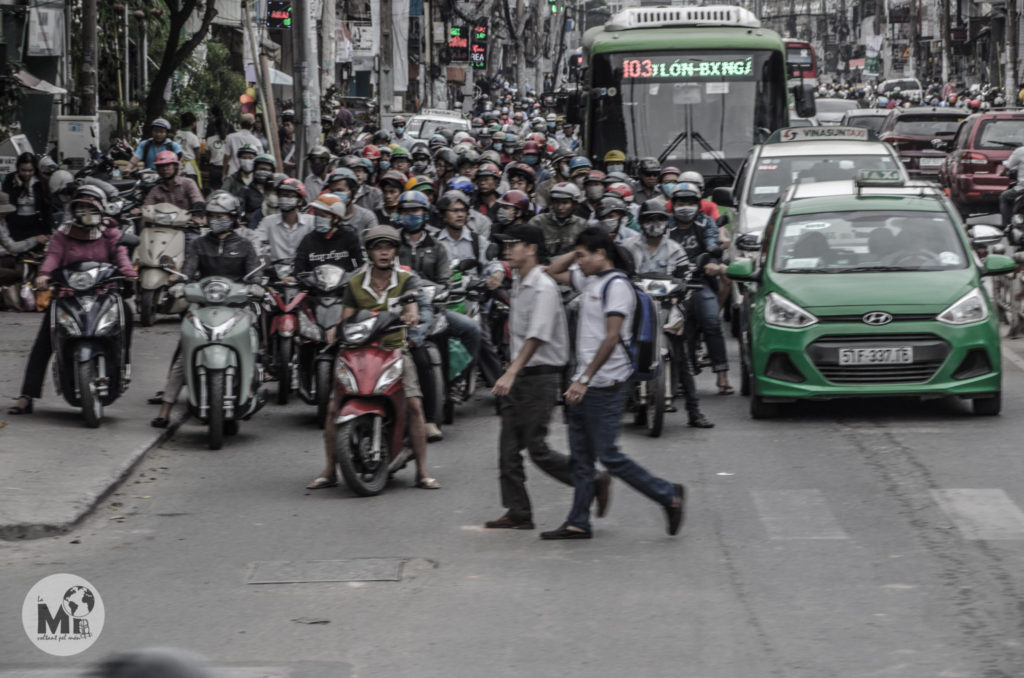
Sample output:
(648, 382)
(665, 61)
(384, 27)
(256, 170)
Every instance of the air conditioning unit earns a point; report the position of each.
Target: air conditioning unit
(661, 17)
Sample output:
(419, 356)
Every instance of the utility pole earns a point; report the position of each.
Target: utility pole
(87, 92)
(307, 80)
(944, 30)
(1010, 67)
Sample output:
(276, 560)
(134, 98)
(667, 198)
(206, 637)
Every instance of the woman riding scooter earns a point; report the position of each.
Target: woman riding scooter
(89, 236)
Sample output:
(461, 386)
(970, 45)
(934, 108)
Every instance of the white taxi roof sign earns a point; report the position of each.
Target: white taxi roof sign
(879, 177)
(790, 134)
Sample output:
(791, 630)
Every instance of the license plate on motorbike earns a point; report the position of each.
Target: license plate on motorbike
(876, 355)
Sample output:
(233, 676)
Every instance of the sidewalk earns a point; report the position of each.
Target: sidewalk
(54, 470)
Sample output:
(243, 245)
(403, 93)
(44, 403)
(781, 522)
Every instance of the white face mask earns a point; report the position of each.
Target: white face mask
(655, 228)
(321, 224)
(287, 204)
(685, 213)
(594, 192)
(610, 225)
(91, 219)
(219, 224)
(505, 215)
(615, 168)
(246, 164)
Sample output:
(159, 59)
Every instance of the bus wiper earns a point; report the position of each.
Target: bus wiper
(713, 153)
(672, 146)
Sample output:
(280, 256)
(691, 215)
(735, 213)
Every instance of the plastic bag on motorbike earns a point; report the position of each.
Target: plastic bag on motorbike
(458, 358)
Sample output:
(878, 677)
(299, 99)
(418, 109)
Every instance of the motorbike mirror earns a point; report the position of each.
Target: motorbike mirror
(254, 271)
(466, 265)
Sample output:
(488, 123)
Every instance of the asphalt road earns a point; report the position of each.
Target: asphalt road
(847, 539)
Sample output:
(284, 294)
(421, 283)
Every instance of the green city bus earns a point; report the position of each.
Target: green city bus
(694, 87)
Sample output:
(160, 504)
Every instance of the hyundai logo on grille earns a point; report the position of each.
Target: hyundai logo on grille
(877, 318)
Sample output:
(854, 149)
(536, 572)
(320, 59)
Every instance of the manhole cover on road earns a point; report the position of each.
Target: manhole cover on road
(319, 571)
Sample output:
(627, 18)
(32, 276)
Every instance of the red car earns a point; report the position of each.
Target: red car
(912, 131)
(973, 170)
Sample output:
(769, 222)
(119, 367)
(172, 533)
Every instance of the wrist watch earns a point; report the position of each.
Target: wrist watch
(584, 379)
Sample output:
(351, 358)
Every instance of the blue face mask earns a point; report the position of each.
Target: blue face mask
(530, 159)
(321, 224)
(342, 196)
(551, 126)
(667, 189)
(385, 165)
(412, 222)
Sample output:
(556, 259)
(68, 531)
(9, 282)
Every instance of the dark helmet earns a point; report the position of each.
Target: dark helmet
(611, 204)
(449, 156)
(653, 208)
(523, 170)
(516, 199)
(649, 165)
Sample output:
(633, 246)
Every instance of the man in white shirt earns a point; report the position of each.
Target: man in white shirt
(596, 397)
(236, 140)
(280, 234)
(528, 390)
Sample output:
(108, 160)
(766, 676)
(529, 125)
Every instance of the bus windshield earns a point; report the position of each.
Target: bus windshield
(702, 110)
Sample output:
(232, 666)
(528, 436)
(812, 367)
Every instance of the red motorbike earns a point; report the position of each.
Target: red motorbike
(366, 423)
(285, 300)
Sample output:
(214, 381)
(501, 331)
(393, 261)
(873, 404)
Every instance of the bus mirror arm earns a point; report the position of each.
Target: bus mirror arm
(803, 100)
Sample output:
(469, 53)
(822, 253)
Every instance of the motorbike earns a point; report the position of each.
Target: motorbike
(23, 296)
(464, 295)
(434, 333)
(320, 313)
(161, 248)
(284, 299)
(91, 366)
(219, 345)
(368, 420)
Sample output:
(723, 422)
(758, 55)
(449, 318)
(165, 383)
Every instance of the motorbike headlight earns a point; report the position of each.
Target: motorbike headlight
(970, 308)
(347, 379)
(782, 312)
(392, 374)
(356, 333)
(108, 320)
(310, 329)
(216, 291)
(68, 323)
(82, 280)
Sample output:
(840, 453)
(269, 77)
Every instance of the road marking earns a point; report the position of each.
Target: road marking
(796, 514)
(1012, 356)
(982, 514)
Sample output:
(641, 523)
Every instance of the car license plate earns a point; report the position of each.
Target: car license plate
(878, 355)
(931, 162)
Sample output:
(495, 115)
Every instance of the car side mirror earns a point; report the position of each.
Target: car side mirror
(723, 197)
(742, 270)
(803, 101)
(749, 242)
(985, 234)
(940, 144)
(998, 264)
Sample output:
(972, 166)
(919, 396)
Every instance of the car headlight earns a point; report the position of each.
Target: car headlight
(970, 308)
(110, 317)
(782, 312)
(216, 291)
(356, 333)
(347, 379)
(82, 280)
(392, 374)
(68, 322)
(310, 329)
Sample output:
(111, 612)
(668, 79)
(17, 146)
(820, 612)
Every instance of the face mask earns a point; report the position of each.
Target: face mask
(318, 167)
(321, 224)
(610, 225)
(342, 196)
(89, 219)
(385, 165)
(509, 150)
(505, 215)
(287, 204)
(246, 164)
(594, 192)
(530, 160)
(476, 130)
(262, 176)
(551, 125)
(412, 222)
(564, 171)
(271, 199)
(419, 167)
(667, 189)
(655, 228)
(219, 225)
(615, 168)
(400, 130)
(685, 213)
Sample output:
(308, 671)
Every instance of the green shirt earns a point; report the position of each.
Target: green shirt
(361, 296)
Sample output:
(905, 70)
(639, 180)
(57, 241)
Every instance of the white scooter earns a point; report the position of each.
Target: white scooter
(161, 248)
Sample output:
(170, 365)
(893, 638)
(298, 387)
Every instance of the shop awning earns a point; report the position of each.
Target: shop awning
(34, 83)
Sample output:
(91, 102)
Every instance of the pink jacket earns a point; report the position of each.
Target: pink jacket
(65, 250)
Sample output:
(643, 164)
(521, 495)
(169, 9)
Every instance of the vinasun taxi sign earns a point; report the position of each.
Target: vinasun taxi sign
(790, 134)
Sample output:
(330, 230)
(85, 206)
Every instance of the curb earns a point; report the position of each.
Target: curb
(25, 531)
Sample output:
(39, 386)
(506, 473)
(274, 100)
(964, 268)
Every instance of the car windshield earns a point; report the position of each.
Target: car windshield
(801, 122)
(890, 85)
(995, 134)
(424, 128)
(834, 105)
(927, 126)
(774, 174)
(871, 122)
(867, 242)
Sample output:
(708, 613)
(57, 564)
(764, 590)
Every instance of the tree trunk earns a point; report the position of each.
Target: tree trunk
(87, 76)
(174, 55)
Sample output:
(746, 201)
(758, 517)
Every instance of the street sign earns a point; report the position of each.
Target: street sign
(478, 48)
(279, 14)
(458, 43)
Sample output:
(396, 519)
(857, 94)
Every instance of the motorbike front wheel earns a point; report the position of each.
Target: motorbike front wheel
(147, 307)
(323, 390)
(364, 473)
(92, 406)
(215, 422)
(284, 369)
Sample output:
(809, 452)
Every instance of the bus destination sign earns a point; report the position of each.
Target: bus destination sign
(669, 68)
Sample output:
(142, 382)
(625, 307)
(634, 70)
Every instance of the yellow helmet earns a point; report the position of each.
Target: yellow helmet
(614, 156)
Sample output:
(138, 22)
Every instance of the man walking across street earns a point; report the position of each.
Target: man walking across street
(596, 397)
(528, 389)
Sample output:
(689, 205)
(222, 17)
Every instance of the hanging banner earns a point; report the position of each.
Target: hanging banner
(45, 32)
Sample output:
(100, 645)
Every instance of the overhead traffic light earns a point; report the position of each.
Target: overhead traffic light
(553, 5)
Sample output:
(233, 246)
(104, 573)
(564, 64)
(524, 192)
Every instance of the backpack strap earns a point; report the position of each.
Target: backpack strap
(617, 275)
(476, 248)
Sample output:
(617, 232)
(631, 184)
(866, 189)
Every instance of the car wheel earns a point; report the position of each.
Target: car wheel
(760, 409)
(989, 406)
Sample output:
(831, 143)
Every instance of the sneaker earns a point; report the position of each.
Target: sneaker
(433, 433)
(506, 523)
(675, 512)
(698, 420)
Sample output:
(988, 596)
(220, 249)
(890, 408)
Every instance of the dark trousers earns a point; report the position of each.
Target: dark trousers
(42, 348)
(1006, 200)
(684, 373)
(702, 307)
(525, 413)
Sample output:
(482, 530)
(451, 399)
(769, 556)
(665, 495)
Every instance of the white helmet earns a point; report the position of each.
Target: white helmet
(693, 177)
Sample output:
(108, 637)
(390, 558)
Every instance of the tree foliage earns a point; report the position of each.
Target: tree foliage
(207, 82)
(177, 49)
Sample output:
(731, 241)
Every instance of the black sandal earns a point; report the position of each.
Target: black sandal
(22, 409)
(157, 399)
(159, 422)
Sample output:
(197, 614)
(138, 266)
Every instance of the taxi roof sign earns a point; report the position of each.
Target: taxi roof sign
(790, 134)
(879, 177)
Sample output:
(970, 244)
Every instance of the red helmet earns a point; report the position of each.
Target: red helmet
(516, 199)
(523, 170)
(531, 147)
(594, 175)
(538, 137)
(291, 184)
(622, 190)
(166, 158)
(372, 152)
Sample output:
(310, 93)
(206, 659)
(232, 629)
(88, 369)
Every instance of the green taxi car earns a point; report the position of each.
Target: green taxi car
(868, 287)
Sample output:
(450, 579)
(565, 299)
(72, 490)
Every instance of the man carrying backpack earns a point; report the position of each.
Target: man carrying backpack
(596, 397)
